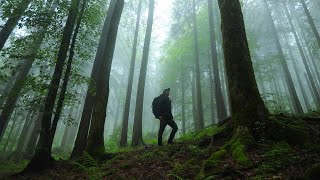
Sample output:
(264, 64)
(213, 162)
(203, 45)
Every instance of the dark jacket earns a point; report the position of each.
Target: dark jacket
(165, 106)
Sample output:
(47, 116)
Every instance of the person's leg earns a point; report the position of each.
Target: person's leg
(163, 125)
(174, 127)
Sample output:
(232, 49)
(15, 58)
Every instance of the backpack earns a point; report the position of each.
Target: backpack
(156, 107)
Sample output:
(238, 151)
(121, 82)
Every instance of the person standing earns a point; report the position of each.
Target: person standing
(165, 117)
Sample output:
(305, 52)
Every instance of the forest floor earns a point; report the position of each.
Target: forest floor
(190, 158)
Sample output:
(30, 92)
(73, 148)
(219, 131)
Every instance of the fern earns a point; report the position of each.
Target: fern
(88, 160)
(175, 176)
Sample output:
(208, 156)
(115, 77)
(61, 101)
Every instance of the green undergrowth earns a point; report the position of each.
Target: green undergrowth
(8, 168)
(87, 164)
(277, 157)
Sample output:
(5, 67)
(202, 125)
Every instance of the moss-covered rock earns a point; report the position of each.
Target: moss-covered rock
(313, 172)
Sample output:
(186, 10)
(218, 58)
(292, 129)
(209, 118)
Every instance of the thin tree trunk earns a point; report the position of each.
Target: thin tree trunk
(183, 111)
(124, 130)
(194, 106)
(304, 59)
(220, 105)
(9, 136)
(212, 102)
(95, 146)
(67, 72)
(16, 156)
(137, 126)
(82, 135)
(247, 106)
(42, 156)
(284, 65)
(302, 87)
(311, 22)
(32, 143)
(13, 21)
(197, 68)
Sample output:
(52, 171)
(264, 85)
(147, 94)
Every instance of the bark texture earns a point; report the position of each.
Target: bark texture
(247, 106)
(95, 146)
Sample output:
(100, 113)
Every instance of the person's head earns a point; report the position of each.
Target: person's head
(166, 92)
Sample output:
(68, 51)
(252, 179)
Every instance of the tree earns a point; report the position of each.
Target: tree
(42, 157)
(197, 68)
(288, 79)
(124, 130)
(95, 146)
(303, 57)
(221, 107)
(82, 135)
(137, 126)
(13, 21)
(247, 107)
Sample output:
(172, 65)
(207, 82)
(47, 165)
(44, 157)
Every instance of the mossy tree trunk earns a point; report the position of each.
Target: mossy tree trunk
(137, 125)
(247, 106)
(124, 130)
(95, 146)
(82, 135)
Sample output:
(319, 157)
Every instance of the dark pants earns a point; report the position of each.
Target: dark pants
(163, 123)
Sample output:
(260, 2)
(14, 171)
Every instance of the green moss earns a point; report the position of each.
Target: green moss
(313, 172)
(218, 155)
(238, 145)
(277, 157)
(181, 169)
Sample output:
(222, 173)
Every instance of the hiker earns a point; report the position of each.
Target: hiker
(164, 114)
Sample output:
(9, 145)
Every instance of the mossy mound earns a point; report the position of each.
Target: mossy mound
(290, 129)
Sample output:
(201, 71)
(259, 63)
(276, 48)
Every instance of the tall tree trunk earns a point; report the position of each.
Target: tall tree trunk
(212, 102)
(197, 68)
(304, 59)
(124, 130)
(14, 138)
(194, 106)
(23, 73)
(302, 87)
(32, 143)
(311, 22)
(115, 124)
(16, 156)
(9, 137)
(292, 91)
(183, 109)
(82, 135)
(95, 145)
(42, 157)
(220, 105)
(13, 21)
(137, 126)
(67, 72)
(247, 106)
